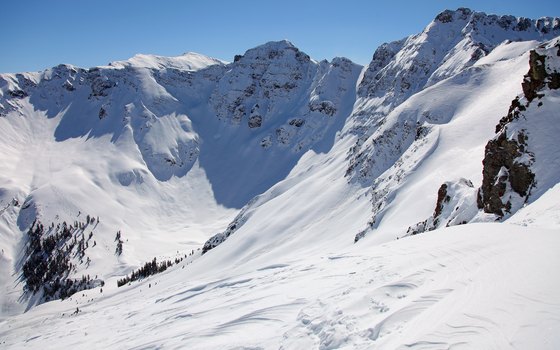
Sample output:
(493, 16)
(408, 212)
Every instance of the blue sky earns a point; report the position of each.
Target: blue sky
(38, 34)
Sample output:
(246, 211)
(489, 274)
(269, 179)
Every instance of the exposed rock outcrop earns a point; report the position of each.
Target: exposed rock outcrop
(271, 85)
(505, 168)
(455, 206)
(508, 158)
(219, 238)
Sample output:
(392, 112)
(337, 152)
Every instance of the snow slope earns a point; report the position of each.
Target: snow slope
(475, 286)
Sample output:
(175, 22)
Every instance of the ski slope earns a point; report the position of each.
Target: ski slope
(474, 286)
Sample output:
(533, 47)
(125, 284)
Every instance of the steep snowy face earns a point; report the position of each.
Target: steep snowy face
(520, 162)
(287, 104)
(453, 41)
(283, 96)
(271, 105)
(389, 130)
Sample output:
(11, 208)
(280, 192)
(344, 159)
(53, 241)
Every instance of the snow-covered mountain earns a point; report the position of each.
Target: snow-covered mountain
(163, 150)
(416, 87)
(520, 162)
(272, 191)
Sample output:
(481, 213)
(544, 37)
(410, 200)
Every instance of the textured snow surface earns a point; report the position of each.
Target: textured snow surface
(488, 286)
(543, 213)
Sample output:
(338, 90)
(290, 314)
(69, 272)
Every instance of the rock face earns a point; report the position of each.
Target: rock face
(268, 77)
(506, 165)
(240, 220)
(443, 198)
(454, 206)
(508, 177)
(269, 86)
(219, 238)
(538, 77)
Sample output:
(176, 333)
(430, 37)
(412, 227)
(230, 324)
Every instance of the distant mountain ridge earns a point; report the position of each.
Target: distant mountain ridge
(189, 61)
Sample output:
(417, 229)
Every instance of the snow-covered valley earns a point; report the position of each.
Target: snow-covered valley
(301, 204)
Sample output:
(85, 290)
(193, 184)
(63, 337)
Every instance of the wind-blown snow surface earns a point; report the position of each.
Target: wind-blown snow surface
(312, 153)
(479, 286)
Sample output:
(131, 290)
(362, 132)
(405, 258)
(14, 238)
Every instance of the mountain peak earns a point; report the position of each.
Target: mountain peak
(277, 45)
(447, 16)
(189, 61)
(273, 50)
(544, 25)
(456, 39)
